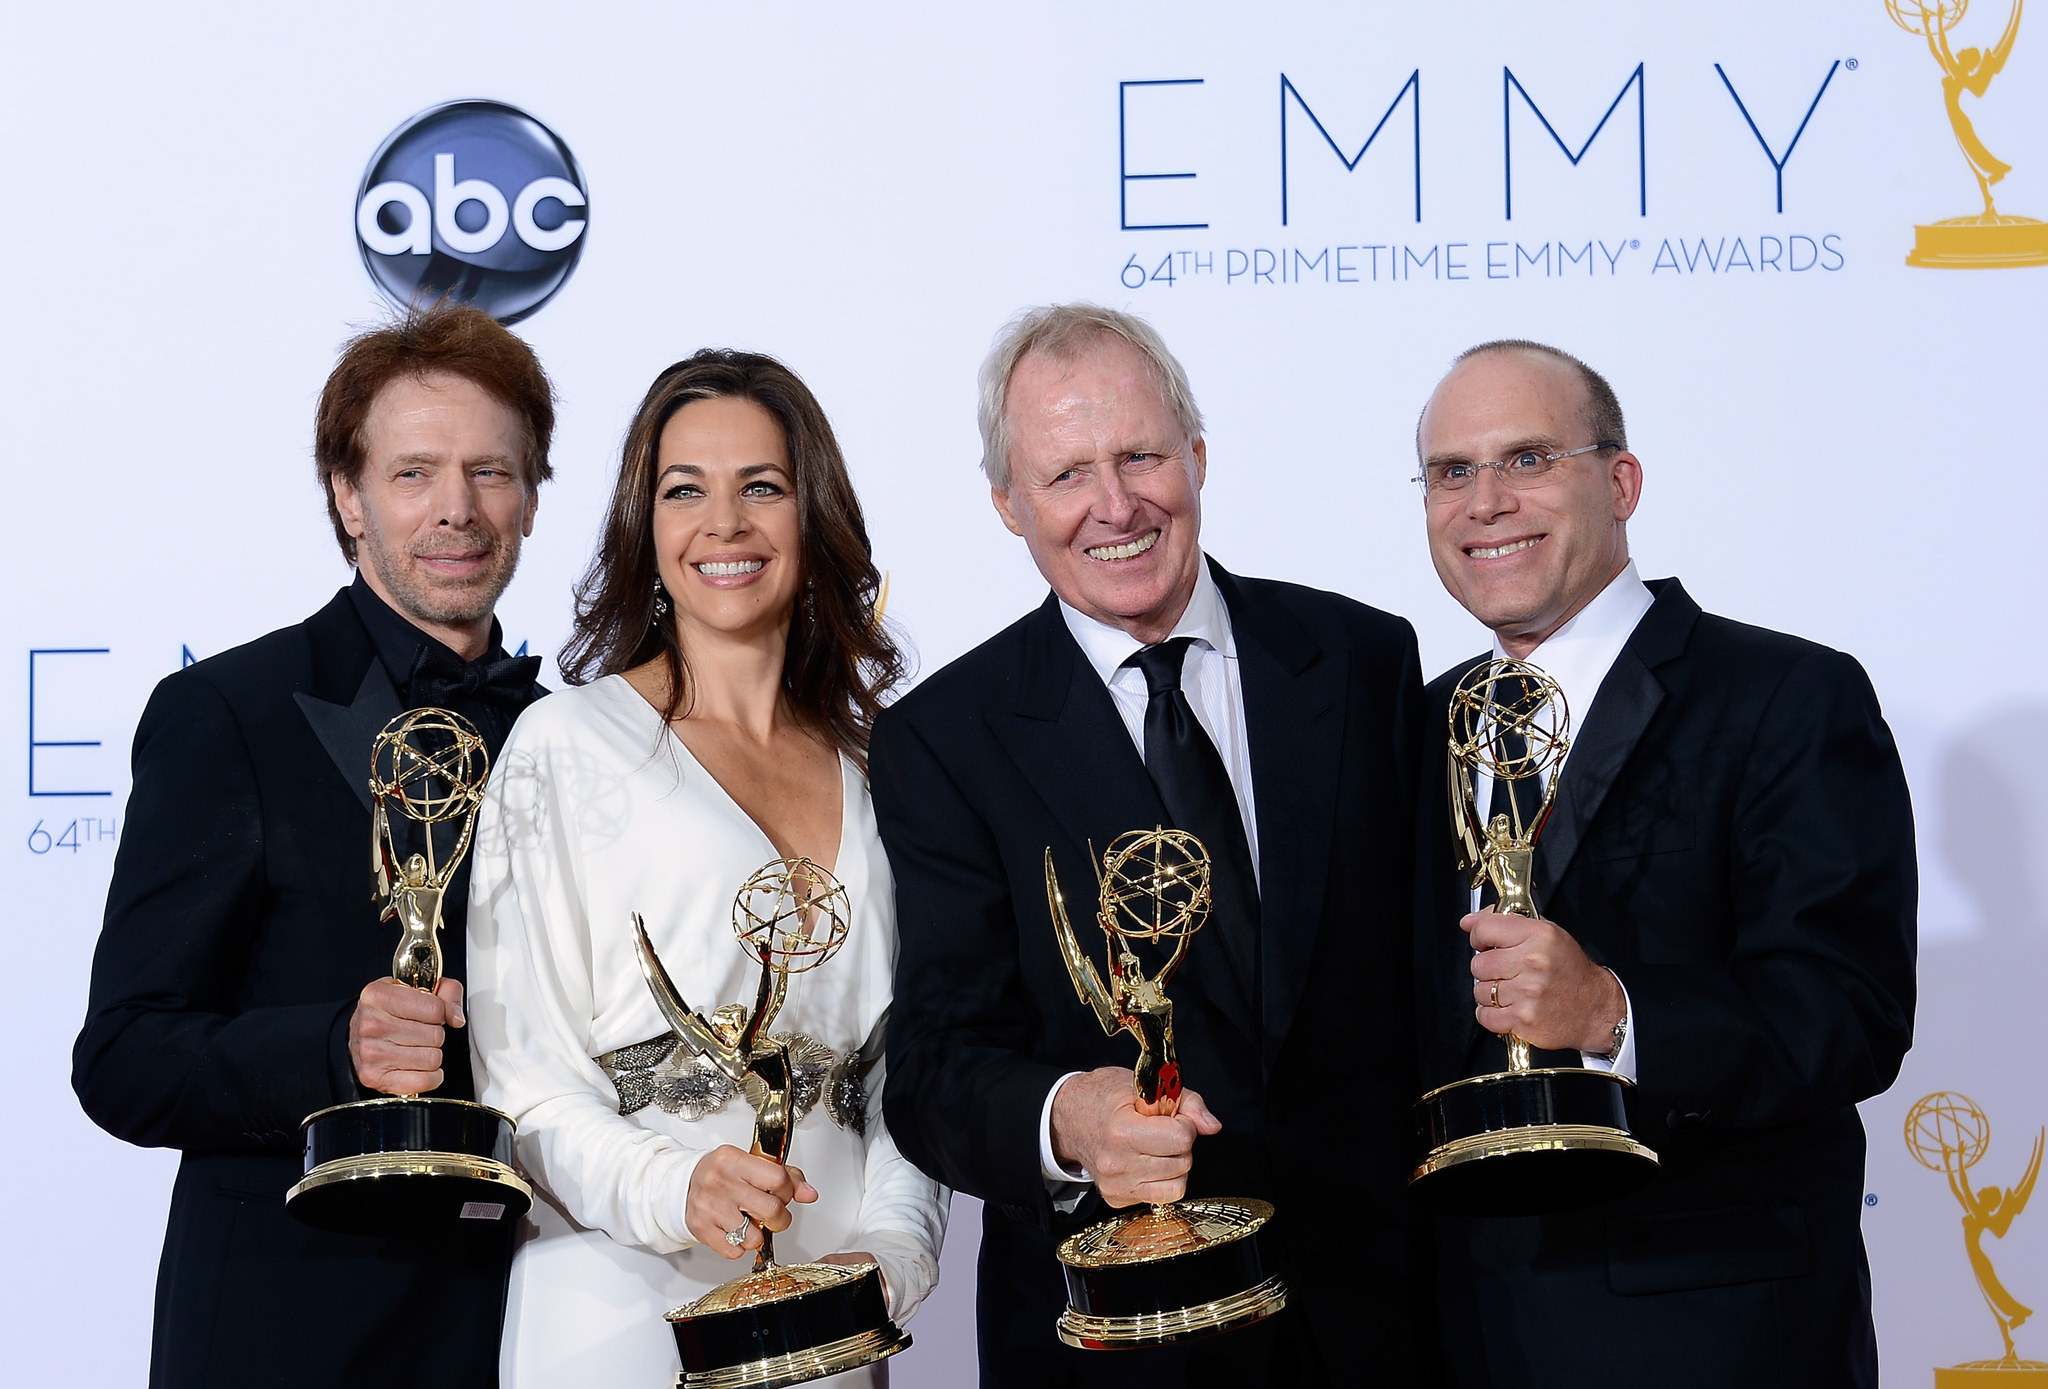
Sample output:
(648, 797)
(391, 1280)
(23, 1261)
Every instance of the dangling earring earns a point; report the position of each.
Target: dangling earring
(661, 604)
(810, 600)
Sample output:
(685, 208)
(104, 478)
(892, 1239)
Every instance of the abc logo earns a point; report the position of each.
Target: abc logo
(474, 200)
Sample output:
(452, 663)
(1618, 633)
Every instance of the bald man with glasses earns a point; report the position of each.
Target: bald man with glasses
(1728, 896)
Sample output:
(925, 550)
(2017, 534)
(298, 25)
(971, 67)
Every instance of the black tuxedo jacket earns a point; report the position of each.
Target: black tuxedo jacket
(1732, 837)
(1017, 747)
(239, 931)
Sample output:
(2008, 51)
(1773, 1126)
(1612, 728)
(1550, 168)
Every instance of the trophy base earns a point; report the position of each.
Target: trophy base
(1989, 242)
(1084, 1332)
(408, 1163)
(1527, 1143)
(785, 1324)
(1167, 1273)
(2004, 1374)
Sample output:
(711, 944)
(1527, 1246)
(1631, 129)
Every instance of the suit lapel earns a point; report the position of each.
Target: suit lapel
(1293, 700)
(1612, 727)
(1621, 711)
(1071, 745)
(352, 697)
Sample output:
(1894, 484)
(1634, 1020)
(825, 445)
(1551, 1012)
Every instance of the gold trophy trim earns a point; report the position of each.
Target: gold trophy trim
(1188, 1225)
(1082, 1331)
(1163, 898)
(372, 1165)
(792, 915)
(801, 1366)
(1551, 1138)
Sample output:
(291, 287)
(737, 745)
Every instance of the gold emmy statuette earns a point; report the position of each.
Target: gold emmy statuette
(1171, 1272)
(1948, 1133)
(410, 1161)
(1990, 239)
(781, 1323)
(1529, 1139)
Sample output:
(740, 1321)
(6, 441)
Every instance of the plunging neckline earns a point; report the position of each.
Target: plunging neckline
(839, 758)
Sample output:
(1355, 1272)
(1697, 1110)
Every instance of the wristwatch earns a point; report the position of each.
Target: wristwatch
(1620, 1036)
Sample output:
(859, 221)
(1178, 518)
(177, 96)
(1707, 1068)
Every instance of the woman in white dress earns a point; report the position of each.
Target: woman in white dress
(727, 661)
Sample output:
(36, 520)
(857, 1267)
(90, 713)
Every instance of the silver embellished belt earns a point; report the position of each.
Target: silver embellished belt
(662, 1073)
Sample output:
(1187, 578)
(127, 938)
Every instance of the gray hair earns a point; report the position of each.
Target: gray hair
(1602, 410)
(1063, 332)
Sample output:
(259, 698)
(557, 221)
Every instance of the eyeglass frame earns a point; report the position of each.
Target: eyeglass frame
(1421, 479)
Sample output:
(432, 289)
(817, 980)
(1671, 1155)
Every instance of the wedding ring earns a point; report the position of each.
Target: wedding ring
(1493, 1001)
(737, 1235)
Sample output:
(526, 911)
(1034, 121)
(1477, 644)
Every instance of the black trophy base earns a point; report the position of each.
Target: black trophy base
(1527, 1143)
(785, 1324)
(408, 1163)
(1167, 1273)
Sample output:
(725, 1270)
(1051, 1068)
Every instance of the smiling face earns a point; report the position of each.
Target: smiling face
(1524, 560)
(726, 539)
(1105, 487)
(440, 505)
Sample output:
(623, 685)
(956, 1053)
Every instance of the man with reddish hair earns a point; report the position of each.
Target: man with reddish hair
(241, 980)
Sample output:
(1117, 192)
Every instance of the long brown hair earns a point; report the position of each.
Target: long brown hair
(841, 660)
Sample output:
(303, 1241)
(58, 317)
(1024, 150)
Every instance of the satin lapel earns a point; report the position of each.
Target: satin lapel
(1627, 700)
(1072, 747)
(1293, 700)
(347, 731)
(1621, 711)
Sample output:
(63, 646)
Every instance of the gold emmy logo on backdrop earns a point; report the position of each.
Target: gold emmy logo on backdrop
(1949, 1134)
(1991, 239)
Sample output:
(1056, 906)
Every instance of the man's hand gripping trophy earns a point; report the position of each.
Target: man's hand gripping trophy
(1133, 1131)
(1178, 1268)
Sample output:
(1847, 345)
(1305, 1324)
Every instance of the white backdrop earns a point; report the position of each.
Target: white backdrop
(1835, 444)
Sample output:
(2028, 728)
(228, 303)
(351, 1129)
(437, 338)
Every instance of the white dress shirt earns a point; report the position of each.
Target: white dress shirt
(1578, 656)
(1215, 691)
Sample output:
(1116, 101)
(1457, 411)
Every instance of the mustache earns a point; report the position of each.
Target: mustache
(477, 542)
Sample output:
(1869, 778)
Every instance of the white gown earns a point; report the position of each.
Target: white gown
(596, 810)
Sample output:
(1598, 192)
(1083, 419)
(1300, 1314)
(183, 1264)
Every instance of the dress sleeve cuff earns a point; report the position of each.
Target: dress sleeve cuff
(1623, 1065)
(674, 1201)
(909, 1272)
(1049, 1167)
(341, 1068)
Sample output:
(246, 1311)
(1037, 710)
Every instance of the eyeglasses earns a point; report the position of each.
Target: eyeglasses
(1524, 469)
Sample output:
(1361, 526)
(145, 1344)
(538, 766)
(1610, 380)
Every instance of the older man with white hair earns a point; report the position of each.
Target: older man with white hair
(1280, 725)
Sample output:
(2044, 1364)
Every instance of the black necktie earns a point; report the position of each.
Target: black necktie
(1199, 798)
(438, 680)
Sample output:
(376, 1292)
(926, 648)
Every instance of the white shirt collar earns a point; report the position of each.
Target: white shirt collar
(1579, 654)
(1206, 619)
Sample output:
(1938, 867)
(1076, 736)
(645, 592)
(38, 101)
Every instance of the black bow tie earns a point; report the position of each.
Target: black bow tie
(439, 679)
